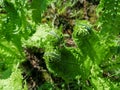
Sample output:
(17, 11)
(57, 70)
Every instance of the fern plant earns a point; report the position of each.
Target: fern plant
(16, 25)
(95, 53)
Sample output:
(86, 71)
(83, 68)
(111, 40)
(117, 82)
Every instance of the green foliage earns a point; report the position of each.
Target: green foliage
(55, 53)
(67, 67)
(16, 26)
(45, 86)
(37, 7)
(94, 54)
(83, 36)
(9, 55)
(110, 17)
(14, 82)
(45, 36)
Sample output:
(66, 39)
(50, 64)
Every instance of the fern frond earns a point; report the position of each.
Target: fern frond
(83, 36)
(109, 17)
(45, 36)
(14, 82)
(9, 56)
(64, 62)
(15, 26)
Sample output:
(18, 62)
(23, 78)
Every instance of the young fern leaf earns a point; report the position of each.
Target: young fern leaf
(83, 36)
(64, 63)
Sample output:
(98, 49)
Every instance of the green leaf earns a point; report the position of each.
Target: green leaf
(38, 6)
(66, 64)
